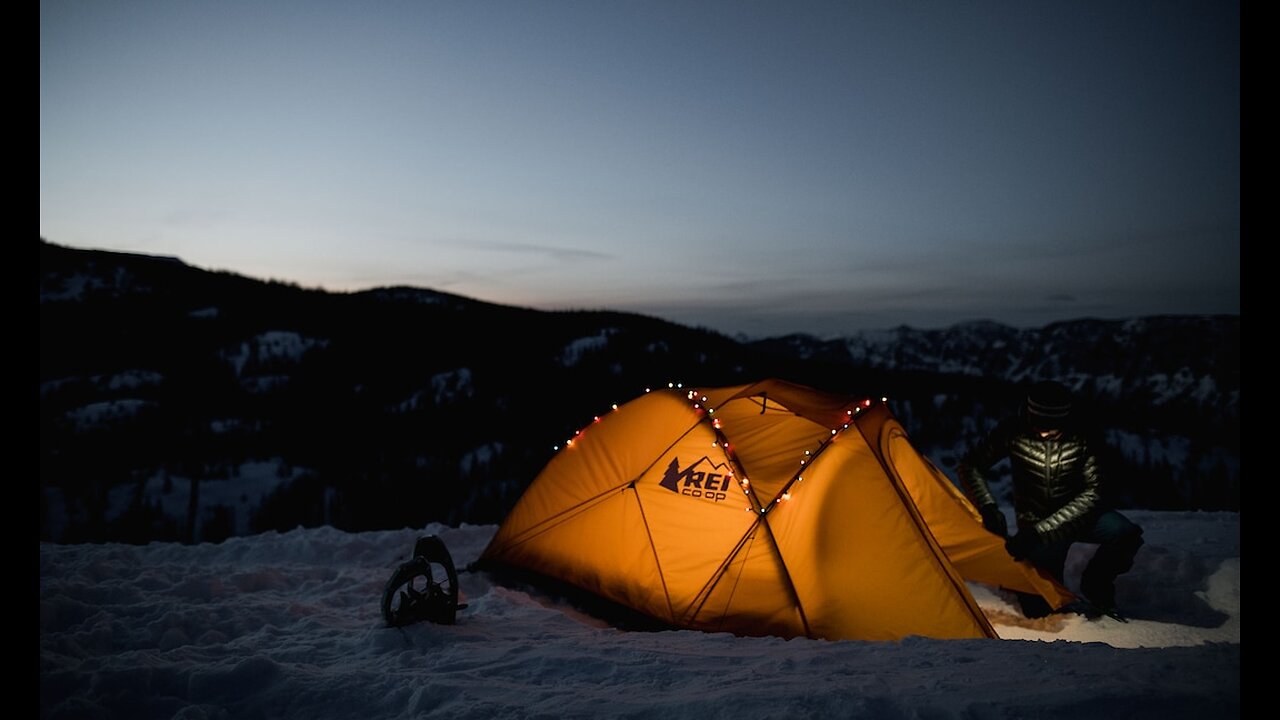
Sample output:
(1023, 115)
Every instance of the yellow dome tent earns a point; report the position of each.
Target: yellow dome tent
(762, 509)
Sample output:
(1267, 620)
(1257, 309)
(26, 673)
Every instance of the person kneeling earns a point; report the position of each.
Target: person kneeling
(1057, 496)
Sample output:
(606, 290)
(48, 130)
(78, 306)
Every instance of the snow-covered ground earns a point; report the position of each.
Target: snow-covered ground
(288, 626)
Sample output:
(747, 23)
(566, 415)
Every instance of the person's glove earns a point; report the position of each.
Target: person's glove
(993, 520)
(1021, 545)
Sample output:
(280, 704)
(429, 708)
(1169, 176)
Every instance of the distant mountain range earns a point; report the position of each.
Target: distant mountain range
(1184, 363)
(183, 404)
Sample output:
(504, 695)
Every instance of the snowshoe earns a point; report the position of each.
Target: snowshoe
(417, 591)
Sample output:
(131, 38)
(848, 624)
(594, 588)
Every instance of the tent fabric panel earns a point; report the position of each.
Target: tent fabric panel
(604, 550)
(751, 595)
(771, 445)
(606, 455)
(862, 566)
(826, 409)
(696, 513)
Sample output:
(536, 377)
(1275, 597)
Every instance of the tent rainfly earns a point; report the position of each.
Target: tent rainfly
(763, 509)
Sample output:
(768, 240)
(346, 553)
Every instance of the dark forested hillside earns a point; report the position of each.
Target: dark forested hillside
(179, 403)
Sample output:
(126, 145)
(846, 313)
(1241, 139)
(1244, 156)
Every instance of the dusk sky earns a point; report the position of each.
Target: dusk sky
(751, 167)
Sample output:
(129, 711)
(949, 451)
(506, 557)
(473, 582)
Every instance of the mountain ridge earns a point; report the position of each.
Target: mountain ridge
(165, 387)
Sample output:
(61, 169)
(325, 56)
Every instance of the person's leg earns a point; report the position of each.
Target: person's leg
(1051, 558)
(1118, 541)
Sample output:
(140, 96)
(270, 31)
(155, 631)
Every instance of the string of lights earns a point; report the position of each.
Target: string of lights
(697, 402)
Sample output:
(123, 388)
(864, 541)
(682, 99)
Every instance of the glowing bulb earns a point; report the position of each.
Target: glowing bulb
(555, 447)
(833, 432)
(884, 399)
(786, 496)
(704, 398)
(615, 405)
(806, 452)
(568, 443)
(671, 384)
(597, 419)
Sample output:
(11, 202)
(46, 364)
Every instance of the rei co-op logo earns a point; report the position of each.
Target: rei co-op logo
(705, 479)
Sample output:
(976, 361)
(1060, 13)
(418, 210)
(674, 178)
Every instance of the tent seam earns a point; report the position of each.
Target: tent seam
(653, 549)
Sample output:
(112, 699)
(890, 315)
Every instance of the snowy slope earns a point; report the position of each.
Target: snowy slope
(287, 626)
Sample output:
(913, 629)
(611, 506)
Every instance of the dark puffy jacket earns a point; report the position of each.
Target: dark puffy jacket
(1056, 483)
